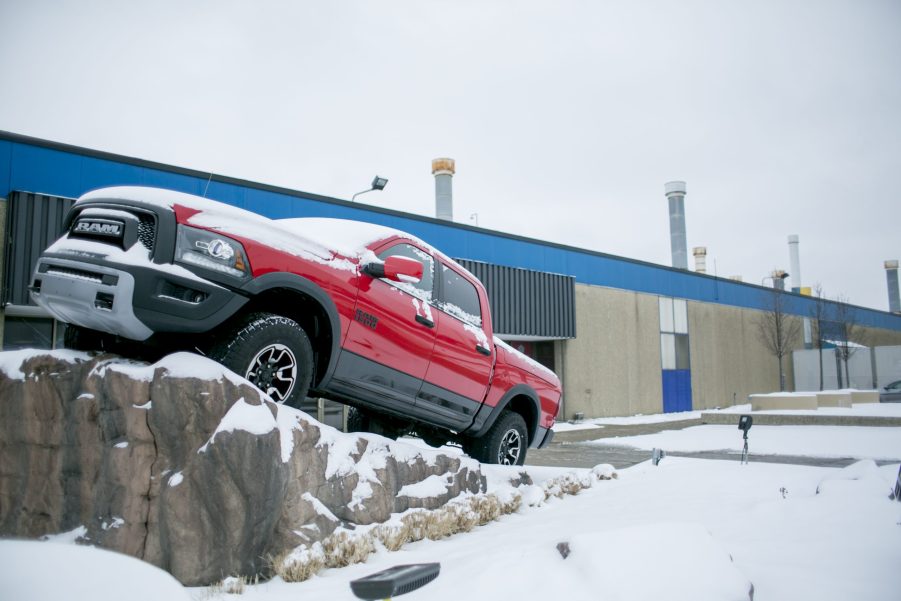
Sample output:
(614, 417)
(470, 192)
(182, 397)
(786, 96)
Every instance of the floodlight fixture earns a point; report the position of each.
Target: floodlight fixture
(395, 581)
(378, 183)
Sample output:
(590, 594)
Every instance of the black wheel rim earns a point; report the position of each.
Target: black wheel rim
(511, 447)
(274, 371)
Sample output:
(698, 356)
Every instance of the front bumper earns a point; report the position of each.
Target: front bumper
(132, 301)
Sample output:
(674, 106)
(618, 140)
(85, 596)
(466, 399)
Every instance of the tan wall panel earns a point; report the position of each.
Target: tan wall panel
(613, 366)
(875, 337)
(728, 361)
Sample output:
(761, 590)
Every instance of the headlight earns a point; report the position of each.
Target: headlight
(211, 251)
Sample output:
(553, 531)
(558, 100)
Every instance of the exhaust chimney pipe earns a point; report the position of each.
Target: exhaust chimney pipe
(891, 277)
(794, 262)
(700, 253)
(443, 170)
(675, 194)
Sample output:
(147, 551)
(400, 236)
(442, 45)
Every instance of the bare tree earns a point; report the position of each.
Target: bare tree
(776, 329)
(849, 334)
(819, 315)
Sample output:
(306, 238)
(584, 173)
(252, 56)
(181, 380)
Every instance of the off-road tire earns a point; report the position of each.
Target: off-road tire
(273, 352)
(504, 443)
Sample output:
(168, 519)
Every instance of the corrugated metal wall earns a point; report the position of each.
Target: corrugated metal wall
(526, 302)
(33, 221)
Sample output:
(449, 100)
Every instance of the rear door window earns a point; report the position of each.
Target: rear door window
(459, 297)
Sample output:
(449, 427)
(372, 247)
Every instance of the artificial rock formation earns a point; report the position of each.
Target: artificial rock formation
(187, 466)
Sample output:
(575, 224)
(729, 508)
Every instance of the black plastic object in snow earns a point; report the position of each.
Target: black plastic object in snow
(395, 581)
(744, 424)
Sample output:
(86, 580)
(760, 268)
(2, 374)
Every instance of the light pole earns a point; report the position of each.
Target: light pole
(378, 183)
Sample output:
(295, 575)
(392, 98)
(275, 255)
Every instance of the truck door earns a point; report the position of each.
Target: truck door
(458, 375)
(390, 339)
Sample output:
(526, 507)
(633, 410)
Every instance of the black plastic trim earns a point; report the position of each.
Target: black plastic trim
(544, 436)
(486, 415)
(363, 382)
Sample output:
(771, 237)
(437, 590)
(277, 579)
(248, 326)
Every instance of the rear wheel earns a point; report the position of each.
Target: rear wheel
(504, 443)
(272, 352)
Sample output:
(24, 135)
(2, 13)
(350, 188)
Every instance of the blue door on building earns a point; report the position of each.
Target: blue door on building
(676, 390)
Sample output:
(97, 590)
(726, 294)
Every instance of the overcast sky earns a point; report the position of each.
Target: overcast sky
(565, 117)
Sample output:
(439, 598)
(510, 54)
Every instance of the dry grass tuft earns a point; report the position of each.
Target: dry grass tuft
(300, 564)
(344, 548)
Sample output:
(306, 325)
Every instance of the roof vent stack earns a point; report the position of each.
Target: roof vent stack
(794, 262)
(891, 277)
(700, 253)
(675, 194)
(443, 170)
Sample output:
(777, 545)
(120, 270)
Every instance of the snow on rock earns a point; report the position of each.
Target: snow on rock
(255, 419)
(13, 362)
(432, 486)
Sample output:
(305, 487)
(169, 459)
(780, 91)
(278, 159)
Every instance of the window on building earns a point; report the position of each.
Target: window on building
(674, 347)
(460, 297)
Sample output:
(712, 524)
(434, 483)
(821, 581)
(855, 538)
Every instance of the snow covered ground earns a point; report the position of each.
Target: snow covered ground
(882, 443)
(664, 532)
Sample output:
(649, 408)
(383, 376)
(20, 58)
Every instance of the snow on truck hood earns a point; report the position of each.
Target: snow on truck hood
(322, 237)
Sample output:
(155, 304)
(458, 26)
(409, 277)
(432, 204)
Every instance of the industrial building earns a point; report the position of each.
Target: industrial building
(624, 336)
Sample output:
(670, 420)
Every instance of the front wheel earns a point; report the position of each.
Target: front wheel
(504, 443)
(273, 353)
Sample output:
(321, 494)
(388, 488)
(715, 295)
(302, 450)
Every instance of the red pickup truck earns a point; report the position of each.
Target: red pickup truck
(354, 312)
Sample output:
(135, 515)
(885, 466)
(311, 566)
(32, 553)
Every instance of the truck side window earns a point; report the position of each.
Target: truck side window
(460, 297)
(423, 288)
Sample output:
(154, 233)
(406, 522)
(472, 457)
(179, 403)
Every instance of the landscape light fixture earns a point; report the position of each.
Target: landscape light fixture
(378, 183)
(744, 424)
(395, 581)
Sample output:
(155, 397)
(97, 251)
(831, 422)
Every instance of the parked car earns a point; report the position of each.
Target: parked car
(891, 393)
(354, 312)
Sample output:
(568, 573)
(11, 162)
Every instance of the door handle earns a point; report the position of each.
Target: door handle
(425, 321)
(483, 350)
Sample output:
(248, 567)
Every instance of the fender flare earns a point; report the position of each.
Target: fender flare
(301, 284)
(482, 424)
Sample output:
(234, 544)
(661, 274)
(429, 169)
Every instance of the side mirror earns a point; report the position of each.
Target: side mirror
(396, 268)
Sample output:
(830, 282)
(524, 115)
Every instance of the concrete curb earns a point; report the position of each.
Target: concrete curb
(772, 419)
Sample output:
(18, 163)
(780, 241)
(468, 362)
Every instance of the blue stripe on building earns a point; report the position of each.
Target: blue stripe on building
(32, 165)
